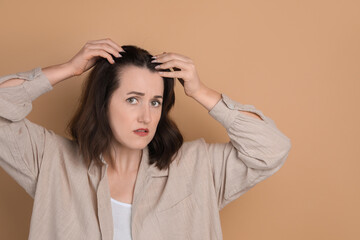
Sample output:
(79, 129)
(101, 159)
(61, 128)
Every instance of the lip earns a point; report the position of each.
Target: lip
(141, 132)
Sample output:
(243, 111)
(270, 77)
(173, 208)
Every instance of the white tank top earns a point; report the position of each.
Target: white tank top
(122, 220)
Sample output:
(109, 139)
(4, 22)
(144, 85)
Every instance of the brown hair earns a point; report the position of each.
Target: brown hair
(90, 127)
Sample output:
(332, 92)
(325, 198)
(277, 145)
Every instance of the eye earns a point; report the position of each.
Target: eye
(156, 103)
(132, 100)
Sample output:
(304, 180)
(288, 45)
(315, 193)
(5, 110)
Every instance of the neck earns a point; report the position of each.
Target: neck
(123, 160)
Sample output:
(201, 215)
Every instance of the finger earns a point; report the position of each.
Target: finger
(102, 53)
(164, 57)
(172, 75)
(106, 47)
(169, 56)
(174, 63)
(110, 42)
(176, 74)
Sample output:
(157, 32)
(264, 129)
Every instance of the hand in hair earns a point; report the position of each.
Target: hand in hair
(185, 71)
(187, 75)
(83, 60)
(93, 50)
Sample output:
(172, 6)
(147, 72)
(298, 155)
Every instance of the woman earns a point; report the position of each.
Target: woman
(127, 174)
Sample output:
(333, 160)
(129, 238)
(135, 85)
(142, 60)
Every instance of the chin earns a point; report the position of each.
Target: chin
(140, 147)
(139, 144)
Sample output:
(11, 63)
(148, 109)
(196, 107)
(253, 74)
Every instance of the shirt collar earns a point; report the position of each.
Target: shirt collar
(102, 159)
(145, 166)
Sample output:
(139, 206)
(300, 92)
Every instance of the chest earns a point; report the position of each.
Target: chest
(122, 187)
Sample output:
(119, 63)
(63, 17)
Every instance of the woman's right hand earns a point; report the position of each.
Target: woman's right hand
(92, 51)
(83, 60)
(80, 63)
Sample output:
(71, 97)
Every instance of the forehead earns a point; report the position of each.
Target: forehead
(139, 79)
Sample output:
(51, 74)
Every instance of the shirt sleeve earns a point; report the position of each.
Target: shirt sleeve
(256, 150)
(22, 142)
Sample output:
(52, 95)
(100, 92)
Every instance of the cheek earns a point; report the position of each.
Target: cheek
(157, 117)
(120, 119)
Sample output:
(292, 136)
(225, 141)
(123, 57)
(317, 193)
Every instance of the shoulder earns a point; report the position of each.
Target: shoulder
(191, 153)
(68, 148)
(47, 138)
(194, 146)
(60, 147)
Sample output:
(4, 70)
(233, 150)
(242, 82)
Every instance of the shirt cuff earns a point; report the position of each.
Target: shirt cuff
(37, 83)
(16, 101)
(226, 110)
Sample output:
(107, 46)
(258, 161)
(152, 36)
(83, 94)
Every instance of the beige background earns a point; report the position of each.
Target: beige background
(297, 61)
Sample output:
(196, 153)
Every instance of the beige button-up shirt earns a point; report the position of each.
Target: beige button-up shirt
(72, 196)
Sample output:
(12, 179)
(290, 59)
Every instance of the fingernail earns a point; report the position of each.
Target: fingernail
(154, 61)
(153, 57)
(157, 67)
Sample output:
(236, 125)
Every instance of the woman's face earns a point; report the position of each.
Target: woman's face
(135, 107)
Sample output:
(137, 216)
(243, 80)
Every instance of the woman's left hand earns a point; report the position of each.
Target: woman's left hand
(186, 74)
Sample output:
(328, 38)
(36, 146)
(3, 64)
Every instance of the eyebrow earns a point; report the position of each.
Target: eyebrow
(142, 94)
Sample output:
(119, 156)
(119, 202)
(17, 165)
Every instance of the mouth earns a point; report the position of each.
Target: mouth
(141, 131)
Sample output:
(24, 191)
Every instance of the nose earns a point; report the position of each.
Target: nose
(145, 115)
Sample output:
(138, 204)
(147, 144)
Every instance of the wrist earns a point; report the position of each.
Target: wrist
(201, 90)
(68, 69)
(58, 73)
(207, 97)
